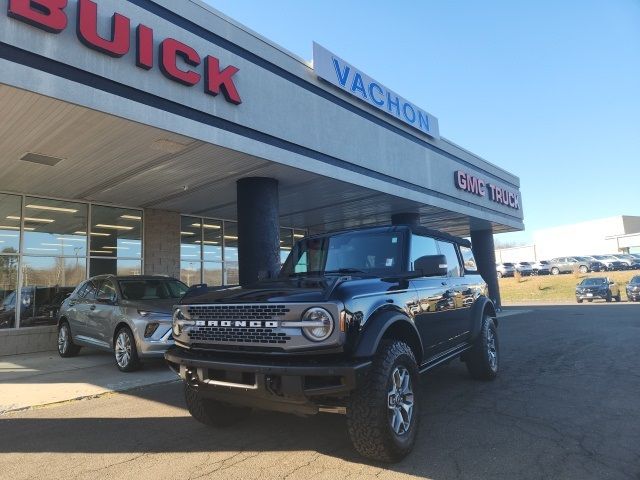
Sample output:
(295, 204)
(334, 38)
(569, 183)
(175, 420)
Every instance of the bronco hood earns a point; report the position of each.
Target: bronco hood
(296, 289)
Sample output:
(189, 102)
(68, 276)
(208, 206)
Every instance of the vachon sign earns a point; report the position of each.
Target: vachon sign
(50, 16)
(472, 184)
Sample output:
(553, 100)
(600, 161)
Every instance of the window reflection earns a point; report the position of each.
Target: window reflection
(10, 214)
(8, 284)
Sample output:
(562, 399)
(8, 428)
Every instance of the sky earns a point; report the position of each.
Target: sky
(548, 90)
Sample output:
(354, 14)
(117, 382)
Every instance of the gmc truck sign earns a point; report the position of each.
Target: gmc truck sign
(176, 60)
(472, 184)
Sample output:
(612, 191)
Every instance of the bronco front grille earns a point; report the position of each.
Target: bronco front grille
(237, 312)
(237, 335)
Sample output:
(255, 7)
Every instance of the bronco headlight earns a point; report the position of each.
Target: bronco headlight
(320, 324)
(179, 322)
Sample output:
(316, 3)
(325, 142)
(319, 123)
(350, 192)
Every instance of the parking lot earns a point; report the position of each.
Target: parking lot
(565, 406)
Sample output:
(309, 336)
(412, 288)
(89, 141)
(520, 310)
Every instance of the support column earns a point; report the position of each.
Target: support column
(161, 243)
(258, 229)
(484, 253)
(406, 218)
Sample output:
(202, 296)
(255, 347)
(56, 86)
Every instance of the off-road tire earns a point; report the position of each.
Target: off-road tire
(579, 301)
(368, 417)
(478, 358)
(133, 363)
(66, 349)
(608, 299)
(212, 412)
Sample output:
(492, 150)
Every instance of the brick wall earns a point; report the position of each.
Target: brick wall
(161, 243)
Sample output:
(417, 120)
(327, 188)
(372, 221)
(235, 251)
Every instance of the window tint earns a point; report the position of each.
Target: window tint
(421, 246)
(108, 288)
(449, 250)
(469, 261)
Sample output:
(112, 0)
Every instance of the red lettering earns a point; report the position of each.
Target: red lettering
(216, 80)
(87, 29)
(144, 53)
(170, 50)
(48, 15)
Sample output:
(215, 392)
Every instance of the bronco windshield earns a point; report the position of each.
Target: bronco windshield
(364, 252)
(152, 289)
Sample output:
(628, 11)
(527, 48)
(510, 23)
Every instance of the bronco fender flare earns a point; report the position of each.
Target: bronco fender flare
(392, 322)
(481, 305)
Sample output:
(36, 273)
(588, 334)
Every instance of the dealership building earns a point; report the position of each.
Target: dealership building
(162, 137)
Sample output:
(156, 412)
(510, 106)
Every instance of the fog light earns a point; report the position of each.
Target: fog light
(150, 329)
(320, 324)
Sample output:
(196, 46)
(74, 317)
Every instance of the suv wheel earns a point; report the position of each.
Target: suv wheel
(483, 360)
(125, 351)
(499, 274)
(66, 347)
(608, 299)
(555, 271)
(212, 412)
(618, 298)
(583, 269)
(383, 415)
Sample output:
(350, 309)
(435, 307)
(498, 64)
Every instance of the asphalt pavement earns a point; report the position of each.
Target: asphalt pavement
(565, 406)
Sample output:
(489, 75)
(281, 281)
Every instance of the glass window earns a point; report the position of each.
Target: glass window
(212, 273)
(108, 289)
(55, 228)
(231, 241)
(114, 266)
(449, 250)
(190, 238)
(190, 272)
(469, 261)
(232, 273)
(286, 243)
(8, 284)
(115, 232)
(46, 282)
(421, 246)
(10, 215)
(212, 240)
(152, 289)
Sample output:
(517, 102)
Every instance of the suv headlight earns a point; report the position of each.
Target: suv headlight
(180, 320)
(320, 324)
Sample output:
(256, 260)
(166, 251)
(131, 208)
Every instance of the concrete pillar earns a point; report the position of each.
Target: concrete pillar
(258, 229)
(484, 253)
(161, 242)
(405, 218)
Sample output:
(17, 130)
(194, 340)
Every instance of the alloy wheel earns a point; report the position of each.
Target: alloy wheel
(400, 400)
(63, 338)
(492, 351)
(123, 349)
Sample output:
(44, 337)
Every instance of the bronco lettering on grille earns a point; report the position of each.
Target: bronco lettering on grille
(236, 323)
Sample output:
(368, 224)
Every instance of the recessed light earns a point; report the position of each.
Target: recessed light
(41, 159)
(130, 217)
(32, 219)
(43, 249)
(53, 209)
(187, 233)
(230, 237)
(114, 227)
(69, 239)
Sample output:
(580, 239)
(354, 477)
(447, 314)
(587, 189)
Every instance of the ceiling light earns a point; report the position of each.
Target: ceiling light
(41, 159)
(31, 219)
(206, 225)
(8, 227)
(189, 246)
(187, 233)
(230, 237)
(189, 255)
(298, 235)
(54, 245)
(130, 217)
(8, 234)
(208, 242)
(53, 209)
(131, 243)
(117, 248)
(114, 227)
(43, 249)
(99, 251)
(69, 239)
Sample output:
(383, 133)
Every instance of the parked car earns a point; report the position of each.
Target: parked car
(597, 287)
(630, 261)
(352, 320)
(633, 289)
(505, 269)
(569, 264)
(611, 263)
(127, 315)
(524, 268)
(541, 267)
(593, 264)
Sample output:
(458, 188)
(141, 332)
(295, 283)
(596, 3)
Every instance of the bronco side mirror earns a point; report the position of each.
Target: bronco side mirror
(431, 266)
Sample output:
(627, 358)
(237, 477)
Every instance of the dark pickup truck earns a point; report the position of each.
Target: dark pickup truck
(350, 323)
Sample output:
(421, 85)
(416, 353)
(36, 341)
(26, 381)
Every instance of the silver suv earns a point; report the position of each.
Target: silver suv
(128, 315)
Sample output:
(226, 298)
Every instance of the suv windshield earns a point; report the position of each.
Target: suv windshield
(152, 289)
(593, 281)
(635, 280)
(377, 253)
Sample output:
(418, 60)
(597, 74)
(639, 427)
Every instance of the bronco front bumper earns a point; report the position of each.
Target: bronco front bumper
(288, 386)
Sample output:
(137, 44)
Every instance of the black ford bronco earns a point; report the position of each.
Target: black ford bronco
(350, 323)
